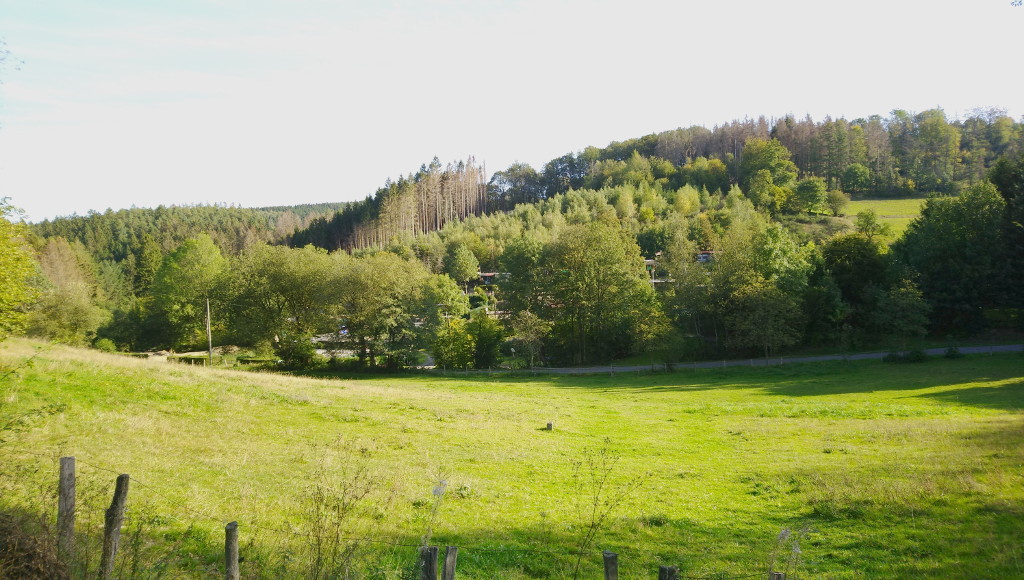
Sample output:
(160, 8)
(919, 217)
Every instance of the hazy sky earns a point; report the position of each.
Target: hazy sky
(110, 103)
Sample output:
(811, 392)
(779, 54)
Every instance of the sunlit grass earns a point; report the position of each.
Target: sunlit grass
(898, 213)
(899, 470)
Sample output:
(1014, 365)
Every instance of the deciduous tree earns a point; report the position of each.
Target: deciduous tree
(17, 268)
(957, 248)
(529, 331)
(68, 309)
(487, 337)
(380, 294)
(766, 166)
(186, 279)
(761, 315)
(599, 296)
(460, 263)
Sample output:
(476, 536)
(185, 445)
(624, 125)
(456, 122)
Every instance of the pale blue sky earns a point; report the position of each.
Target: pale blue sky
(113, 103)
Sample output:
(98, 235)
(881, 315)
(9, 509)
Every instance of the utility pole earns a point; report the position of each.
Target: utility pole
(209, 335)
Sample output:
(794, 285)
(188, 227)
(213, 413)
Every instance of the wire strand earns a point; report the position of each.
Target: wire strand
(198, 514)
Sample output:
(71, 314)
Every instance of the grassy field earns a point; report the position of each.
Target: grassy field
(898, 213)
(832, 470)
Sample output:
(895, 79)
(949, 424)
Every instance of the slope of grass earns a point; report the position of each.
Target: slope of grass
(898, 213)
(880, 471)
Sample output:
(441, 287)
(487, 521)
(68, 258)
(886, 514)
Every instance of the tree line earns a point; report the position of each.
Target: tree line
(419, 203)
(744, 256)
(904, 153)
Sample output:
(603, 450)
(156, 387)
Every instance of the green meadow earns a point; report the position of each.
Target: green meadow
(898, 213)
(830, 470)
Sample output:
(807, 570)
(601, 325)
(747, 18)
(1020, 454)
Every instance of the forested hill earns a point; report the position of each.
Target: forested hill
(901, 154)
(420, 203)
(129, 234)
(742, 226)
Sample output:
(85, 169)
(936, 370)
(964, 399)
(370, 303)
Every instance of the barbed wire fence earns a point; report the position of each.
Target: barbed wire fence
(426, 556)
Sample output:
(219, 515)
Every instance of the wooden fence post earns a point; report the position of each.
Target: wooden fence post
(231, 551)
(112, 526)
(428, 563)
(611, 565)
(668, 573)
(451, 554)
(66, 511)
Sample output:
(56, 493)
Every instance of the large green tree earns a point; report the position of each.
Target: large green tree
(809, 195)
(1008, 176)
(452, 345)
(381, 296)
(760, 315)
(766, 172)
(957, 248)
(529, 332)
(487, 335)
(599, 296)
(901, 313)
(68, 309)
(188, 277)
(17, 268)
(520, 288)
(285, 293)
(460, 263)
(520, 183)
(856, 263)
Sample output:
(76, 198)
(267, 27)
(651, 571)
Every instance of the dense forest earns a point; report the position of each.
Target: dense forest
(420, 203)
(691, 243)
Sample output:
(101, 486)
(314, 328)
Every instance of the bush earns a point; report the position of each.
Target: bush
(915, 356)
(344, 364)
(953, 352)
(26, 551)
(298, 352)
(105, 345)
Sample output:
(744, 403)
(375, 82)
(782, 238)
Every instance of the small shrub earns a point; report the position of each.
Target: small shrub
(655, 521)
(464, 491)
(344, 364)
(893, 357)
(298, 352)
(105, 345)
(26, 551)
(915, 356)
(953, 352)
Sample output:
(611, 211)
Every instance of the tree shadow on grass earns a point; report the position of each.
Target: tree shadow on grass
(1007, 397)
(799, 379)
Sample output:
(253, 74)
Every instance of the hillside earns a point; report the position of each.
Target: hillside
(129, 234)
(834, 470)
(904, 154)
(643, 247)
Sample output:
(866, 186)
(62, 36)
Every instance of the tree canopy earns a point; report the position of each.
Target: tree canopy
(17, 268)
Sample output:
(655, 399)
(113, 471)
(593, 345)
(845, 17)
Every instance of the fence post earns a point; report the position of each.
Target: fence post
(112, 526)
(428, 563)
(231, 551)
(66, 510)
(451, 554)
(611, 565)
(668, 573)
